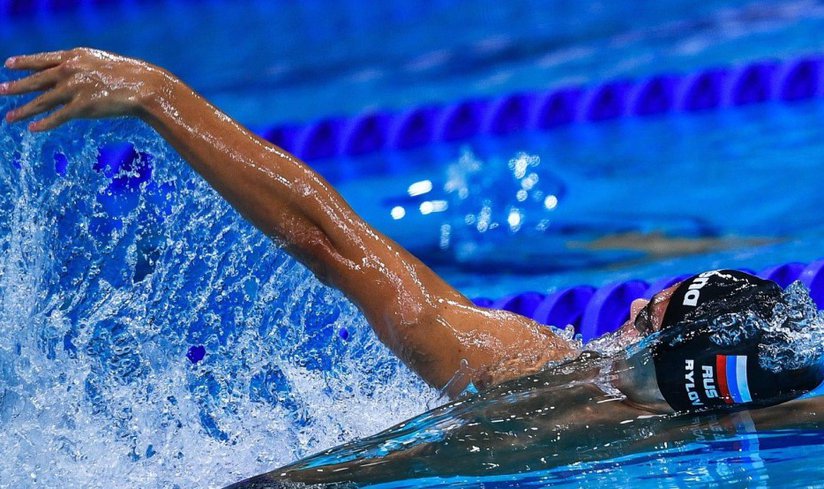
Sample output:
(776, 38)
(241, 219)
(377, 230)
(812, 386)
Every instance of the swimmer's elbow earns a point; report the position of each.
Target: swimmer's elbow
(310, 246)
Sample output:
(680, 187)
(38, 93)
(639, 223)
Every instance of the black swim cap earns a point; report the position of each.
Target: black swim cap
(707, 358)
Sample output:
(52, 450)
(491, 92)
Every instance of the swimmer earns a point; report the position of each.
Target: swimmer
(441, 335)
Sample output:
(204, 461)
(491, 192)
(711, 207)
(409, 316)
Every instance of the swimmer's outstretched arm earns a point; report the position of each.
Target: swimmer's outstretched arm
(427, 323)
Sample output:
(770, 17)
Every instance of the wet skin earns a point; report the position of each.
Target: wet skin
(559, 416)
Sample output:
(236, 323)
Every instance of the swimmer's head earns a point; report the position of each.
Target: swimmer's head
(707, 354)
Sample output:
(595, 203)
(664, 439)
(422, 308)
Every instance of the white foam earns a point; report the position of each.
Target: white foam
(122, 405)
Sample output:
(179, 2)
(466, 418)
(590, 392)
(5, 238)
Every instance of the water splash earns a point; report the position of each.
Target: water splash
(794, 332)
(790, 336)
(110, 274)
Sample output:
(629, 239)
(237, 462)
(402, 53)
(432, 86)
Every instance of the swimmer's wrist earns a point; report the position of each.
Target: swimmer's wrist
(157, 95)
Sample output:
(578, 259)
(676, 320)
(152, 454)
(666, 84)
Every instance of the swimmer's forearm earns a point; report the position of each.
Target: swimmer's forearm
(279, 194)
(255, 177)
(290, 202)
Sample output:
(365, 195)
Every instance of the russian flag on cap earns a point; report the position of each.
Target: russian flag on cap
(732, 378)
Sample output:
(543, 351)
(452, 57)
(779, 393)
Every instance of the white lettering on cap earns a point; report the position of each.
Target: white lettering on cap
(709, 381)
(694, 292)
(689, 377)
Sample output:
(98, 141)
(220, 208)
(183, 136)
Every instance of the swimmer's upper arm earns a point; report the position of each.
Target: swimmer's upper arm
(488, 346)
(436, 330)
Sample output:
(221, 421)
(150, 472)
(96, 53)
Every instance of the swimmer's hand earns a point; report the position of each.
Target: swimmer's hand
(81, 83)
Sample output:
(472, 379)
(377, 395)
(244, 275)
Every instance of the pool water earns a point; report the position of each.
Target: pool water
(150, 336)
(774, 459)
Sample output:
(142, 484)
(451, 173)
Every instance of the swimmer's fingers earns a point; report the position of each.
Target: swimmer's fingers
(39, 61)
(41, 80)
(42, 103)
(56, 118)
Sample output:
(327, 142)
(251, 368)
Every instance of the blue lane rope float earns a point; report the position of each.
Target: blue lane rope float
(655, 96)
(609, 307)
(413, 128)
(196, 353)
(594, 312)
(565, 306)
(709, 89)
(32, 8)
(662, 284)
(366, 134)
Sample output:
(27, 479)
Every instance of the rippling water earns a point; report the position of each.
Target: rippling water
(114, 279)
